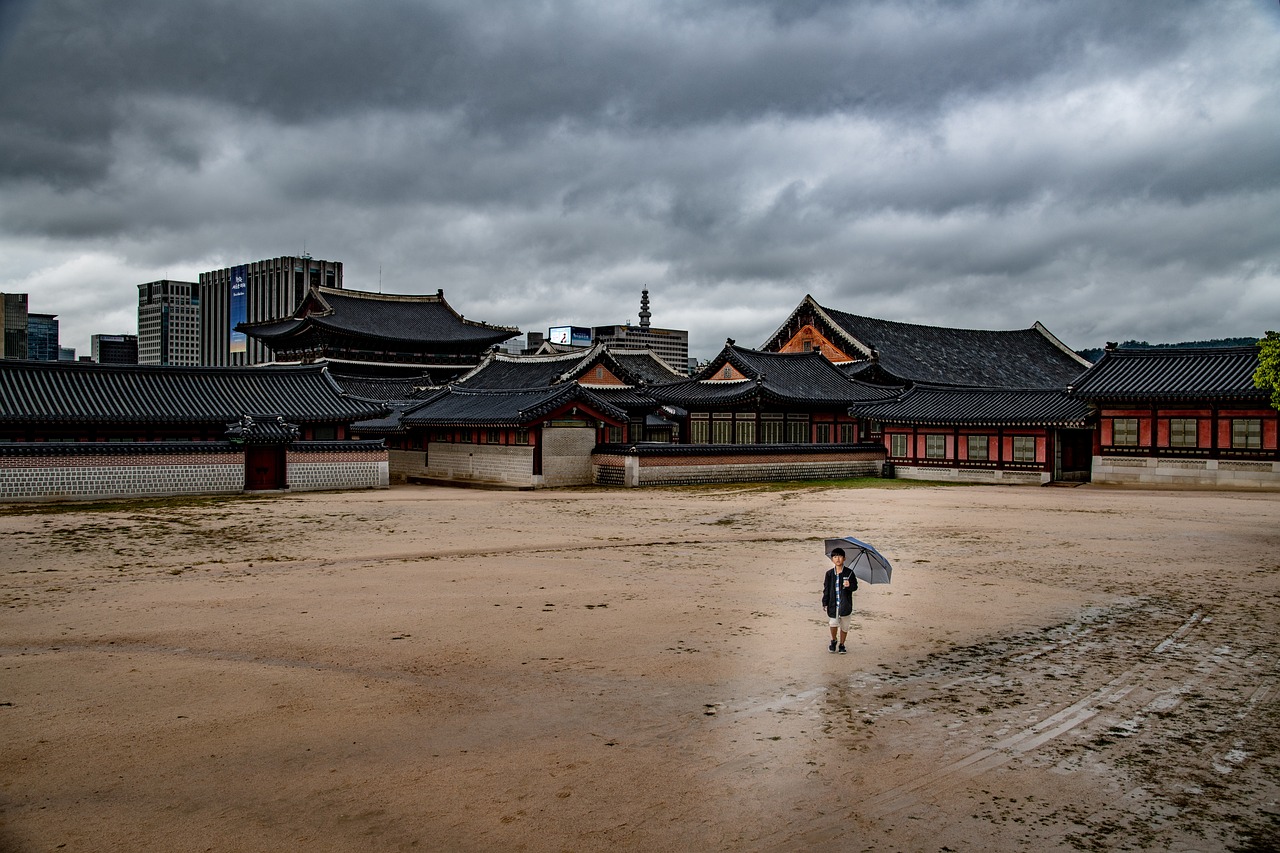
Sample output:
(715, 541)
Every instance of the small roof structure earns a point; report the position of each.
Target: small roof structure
(739, 375)
(597, 366)
(360, 320)
(385, 388)
(1202, 373)
(934, 405)
(34, 392)
(509, 407)
(909, 352)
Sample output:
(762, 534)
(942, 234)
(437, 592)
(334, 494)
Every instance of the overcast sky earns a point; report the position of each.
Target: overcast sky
(1110, 168)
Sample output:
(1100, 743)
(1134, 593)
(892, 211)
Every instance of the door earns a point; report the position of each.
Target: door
(263, 468)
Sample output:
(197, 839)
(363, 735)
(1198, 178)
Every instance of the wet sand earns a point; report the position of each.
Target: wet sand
(437, 669)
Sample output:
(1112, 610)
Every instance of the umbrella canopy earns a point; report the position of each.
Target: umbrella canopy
(868, 564)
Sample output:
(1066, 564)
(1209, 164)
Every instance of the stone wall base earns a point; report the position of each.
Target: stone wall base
(970, 475)
(1188, 473)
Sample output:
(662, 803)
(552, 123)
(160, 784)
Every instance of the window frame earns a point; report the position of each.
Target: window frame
(1131, 433)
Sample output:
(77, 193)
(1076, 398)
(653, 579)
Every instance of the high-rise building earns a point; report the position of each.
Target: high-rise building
(13, 318)
(169, 323)
(115, 349)
(670, 345)
(42, 337)
(254, 293)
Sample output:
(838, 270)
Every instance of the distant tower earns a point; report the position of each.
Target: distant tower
(644, 309)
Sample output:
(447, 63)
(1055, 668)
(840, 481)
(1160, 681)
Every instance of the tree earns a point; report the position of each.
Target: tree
(1267, 376)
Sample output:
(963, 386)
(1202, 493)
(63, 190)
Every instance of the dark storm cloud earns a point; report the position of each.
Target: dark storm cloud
(1086, 163)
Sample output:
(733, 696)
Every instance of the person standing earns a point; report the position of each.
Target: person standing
(838, 586)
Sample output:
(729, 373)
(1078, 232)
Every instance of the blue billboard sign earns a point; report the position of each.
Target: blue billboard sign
(239, 307)
(577, 336)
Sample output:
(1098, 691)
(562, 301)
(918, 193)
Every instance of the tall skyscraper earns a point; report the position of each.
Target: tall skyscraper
(169, 322)
(42, 337)
(253, 293)
(13, 318)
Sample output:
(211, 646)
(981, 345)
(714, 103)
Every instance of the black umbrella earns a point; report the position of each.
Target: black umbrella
(868, 564)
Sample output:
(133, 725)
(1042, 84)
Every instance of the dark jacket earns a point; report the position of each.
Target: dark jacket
(846, 593)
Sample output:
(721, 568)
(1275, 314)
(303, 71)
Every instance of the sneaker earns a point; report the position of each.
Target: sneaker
(842, 650)
(832, 647)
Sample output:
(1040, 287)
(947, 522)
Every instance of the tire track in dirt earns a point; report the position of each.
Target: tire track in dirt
(1032, 737)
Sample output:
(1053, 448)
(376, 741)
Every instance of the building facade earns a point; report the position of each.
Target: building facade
(13, 319)
(254, 293)
(1181, 417)
(42, 337)
(169, 323)
(115, 349)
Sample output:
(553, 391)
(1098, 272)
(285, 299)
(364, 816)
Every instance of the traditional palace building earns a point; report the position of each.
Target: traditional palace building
(968, 404)
(1181, 417)
(402, 387)
(379, 334)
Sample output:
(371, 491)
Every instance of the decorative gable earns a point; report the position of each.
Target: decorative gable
(599, 375)
(726, 373)
(809, 339)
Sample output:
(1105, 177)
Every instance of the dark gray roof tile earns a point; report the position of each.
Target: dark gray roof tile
(1219, 373)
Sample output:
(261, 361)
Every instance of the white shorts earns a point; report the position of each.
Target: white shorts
(841, 622)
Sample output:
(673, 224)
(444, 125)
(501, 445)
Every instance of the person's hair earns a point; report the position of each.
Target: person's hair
(837, 552)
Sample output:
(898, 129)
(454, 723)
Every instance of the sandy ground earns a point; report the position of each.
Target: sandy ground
(432, 669)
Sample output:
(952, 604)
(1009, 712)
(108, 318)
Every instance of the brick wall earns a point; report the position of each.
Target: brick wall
(403, 464)
(490, 464)
(326, 467)
(688, 464)
(54, 471)
(91, 470)
(566, 456)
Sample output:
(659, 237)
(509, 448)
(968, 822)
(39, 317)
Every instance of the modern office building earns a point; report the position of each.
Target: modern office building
(169, 323)
(671, 345)
(115, 349)
(254, 293)
(42, 337)
(13, 319)
(66, 353)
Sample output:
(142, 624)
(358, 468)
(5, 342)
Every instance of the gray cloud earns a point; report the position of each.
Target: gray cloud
(1109, 169)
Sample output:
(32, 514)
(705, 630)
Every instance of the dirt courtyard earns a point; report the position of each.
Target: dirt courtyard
(441, 669)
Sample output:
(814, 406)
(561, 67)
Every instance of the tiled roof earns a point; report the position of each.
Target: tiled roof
(1224, 373)
(504, 370)
(1015, 358)
(420, 321)
(1020, 358)
(76, 392)
(646, 365)
(783, 378)
(383, 388)
(459, 406)
(926, 405)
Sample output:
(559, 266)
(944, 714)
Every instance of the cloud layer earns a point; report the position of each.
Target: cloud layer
(1110, 169)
